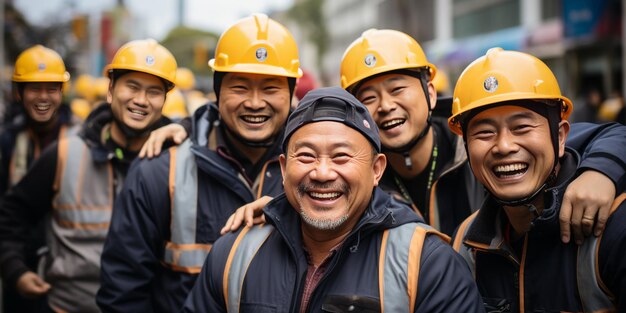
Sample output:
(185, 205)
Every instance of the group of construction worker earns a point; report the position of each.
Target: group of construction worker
(357, 199)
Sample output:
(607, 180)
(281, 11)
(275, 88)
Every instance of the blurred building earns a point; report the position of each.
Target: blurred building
(581, 40)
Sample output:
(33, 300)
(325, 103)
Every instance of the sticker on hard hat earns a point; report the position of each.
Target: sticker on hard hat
(261, 54)
(41, 67)
(370, 60)
(490, 84)
(150, 60)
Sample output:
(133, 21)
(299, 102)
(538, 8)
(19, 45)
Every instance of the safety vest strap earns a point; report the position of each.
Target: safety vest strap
(462, 249)
(182, 253)
(399, 265)
(84, 189)
(593, 297)
(183, 186)
(241, 254)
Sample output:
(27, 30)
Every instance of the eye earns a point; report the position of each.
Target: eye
(155, 92)
(483, 134)
(305, 157)
(523, 128)
(397, 90)
(341, 157)
(368, 100)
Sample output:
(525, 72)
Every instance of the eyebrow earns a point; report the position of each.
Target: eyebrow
(516, 116)
(306, 143)
(132, 81)
(387, 81)
(264, 80)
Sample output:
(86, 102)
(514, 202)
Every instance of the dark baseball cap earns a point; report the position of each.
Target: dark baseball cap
(336, 105)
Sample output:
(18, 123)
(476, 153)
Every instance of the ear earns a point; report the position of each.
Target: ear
(110, 92)
(432, 93)
(564, 127)
(283, 165)
(378, 166)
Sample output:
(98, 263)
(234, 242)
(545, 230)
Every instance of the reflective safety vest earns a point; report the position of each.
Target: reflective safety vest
(592, 295)
(399, 261)
(182, 253)
(19, 164)
(84, 188)
(82, 206)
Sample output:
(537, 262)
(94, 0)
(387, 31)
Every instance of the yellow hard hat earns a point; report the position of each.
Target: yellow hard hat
(146, 56)
(174, 107)
(80, 107)
(101, 87)
(84, 87)
(441, 82)
(503, 76)
(39, 64)
(380, 51)
(185, 79)
(258, 45)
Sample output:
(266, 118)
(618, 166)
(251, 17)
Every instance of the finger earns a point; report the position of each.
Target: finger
(158, 144)
(249, 216)
(144, 149)
(259, 220)
(565, 220)
(576, 222)
(226, 227)
(588, 220)
(238, 218)
(603, 216)
(179, 137)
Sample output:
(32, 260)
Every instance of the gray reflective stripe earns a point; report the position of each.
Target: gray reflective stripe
(462, 249)
(186, 258)
(592, 296)
(244, 253)
(85, 216)
(19, 159)
(85, 191)
(185, 200)
(395, 279)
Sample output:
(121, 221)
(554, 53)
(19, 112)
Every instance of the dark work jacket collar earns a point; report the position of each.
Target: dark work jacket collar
(486, 231)
(382, 213)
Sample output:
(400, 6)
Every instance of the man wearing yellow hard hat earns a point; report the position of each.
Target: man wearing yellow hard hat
(38, 78)
(513, 118)
(72, 187)
(171, 210)
(388, 71)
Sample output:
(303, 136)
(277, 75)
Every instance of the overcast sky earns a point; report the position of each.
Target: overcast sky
(158, 15)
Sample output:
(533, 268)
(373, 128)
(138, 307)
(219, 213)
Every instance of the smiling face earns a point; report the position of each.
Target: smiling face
(41, 100)
(328, 177)
(510, 150)
(137, 99)
(254, 106)
(398, 106)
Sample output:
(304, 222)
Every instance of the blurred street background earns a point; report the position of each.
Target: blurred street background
(581, 40)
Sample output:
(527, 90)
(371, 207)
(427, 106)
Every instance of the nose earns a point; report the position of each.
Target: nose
(141, 98)
(505, 143)
(386, 103)
(324, 171)
(255, 102)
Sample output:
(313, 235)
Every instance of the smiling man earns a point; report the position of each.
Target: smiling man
(509, 109)
(72, 187)
(335, 242)
(172, 208)
(43, 118)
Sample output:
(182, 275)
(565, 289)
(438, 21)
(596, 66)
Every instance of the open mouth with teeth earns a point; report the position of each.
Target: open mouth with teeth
(138, 112)
(510, 170)
(42, 107)
(392, 123)
(324, 196)
(253, 119)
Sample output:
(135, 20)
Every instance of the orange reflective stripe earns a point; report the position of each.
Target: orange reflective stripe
(415, 254)
(381, 269)
(229, 262)
(61, 157)
(460, 233)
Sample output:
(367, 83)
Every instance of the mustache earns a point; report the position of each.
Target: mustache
(306, 187)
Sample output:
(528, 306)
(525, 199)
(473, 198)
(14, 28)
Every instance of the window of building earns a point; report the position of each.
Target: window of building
(474, 17)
